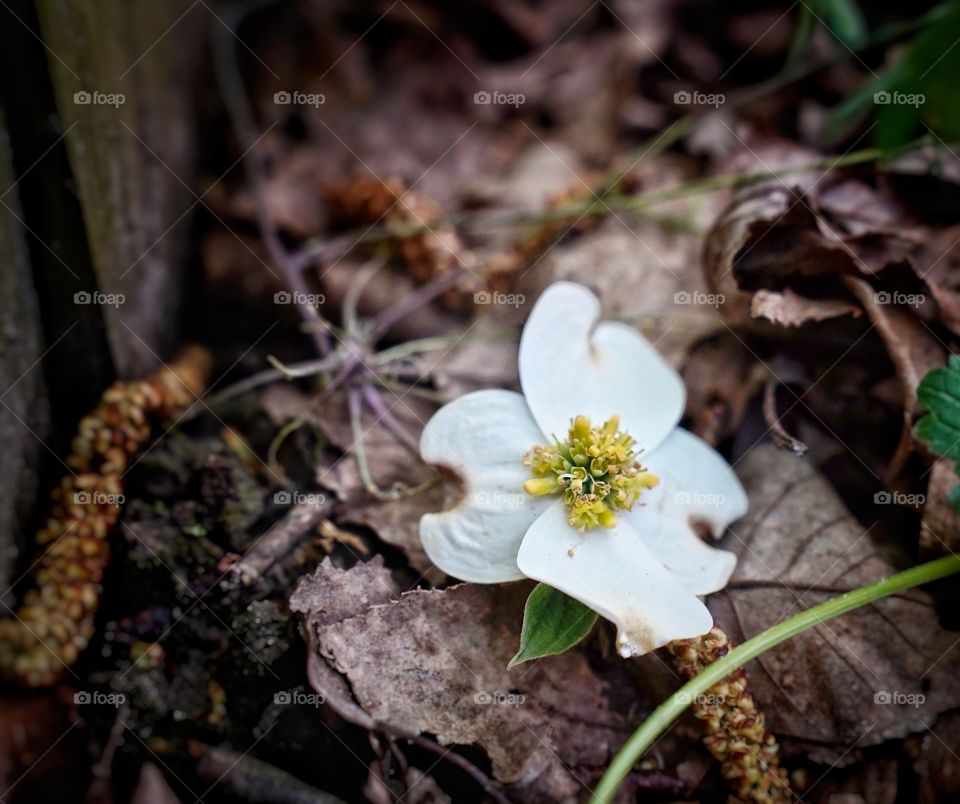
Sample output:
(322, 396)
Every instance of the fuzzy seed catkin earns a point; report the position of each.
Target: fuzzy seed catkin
(736, 731)
(55, 620)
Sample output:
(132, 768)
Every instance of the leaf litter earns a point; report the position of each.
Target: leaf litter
(828, 294)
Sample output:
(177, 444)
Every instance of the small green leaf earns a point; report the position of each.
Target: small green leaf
(552, 623)
(845, 21)
(939, 391)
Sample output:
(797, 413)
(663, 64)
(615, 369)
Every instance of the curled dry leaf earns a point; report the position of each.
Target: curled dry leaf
(767, 239)
(330, 596)
(436, 662)
(794, 235)
(801, 251)
(937, 265)
(878, 673)
(771, 234)
(789, 309)
(913, 349)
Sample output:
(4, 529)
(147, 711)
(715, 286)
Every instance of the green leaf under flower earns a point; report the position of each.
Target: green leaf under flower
(552, 623)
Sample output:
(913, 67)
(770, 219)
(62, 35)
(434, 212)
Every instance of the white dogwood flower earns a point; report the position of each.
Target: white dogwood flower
(584, 481)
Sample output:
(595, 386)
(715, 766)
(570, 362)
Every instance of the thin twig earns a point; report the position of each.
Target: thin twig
(421, 297)
(410, 348)
(281, 539)
(351, 320)
(400, 490)
(373, 399)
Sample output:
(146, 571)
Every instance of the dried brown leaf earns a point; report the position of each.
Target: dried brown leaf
(848, 681)
(940, 533)
(789, 309)
(327, 597)
(770, 235)
(913, 347)
(937, 264)
(436, 662)
(721, 376)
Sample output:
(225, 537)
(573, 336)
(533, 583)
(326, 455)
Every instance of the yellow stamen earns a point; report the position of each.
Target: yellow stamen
(595, 469)
(608, 519)
(539, 486)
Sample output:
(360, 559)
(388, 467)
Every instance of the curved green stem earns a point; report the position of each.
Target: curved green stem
(665, 714)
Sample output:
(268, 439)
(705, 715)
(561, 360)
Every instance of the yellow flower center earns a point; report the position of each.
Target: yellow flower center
(596, 469)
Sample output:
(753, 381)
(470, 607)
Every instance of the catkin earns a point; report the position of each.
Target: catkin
(55, 621)
(736, 732)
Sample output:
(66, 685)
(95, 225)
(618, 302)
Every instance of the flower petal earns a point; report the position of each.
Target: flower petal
(701, 569)
(570, 367)
(697, 483)
(614, 573)
(482, 437)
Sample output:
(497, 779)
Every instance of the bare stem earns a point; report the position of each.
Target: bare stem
(372, 397)
(241, 116)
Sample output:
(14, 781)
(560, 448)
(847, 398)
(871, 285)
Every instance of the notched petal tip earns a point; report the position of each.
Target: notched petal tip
(701, 489)
(572, 364)
(480, 438)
